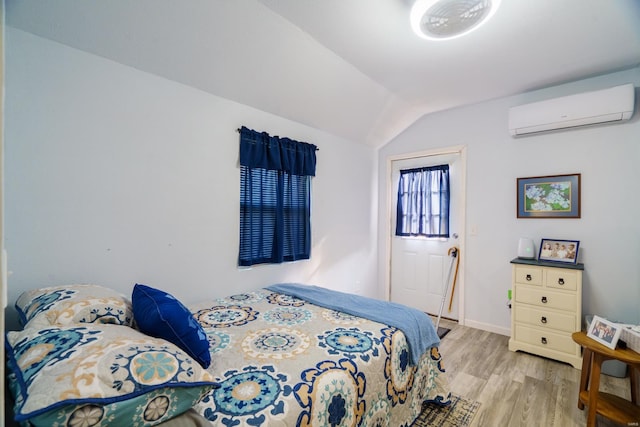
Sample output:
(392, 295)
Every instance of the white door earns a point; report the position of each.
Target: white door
(420, 266)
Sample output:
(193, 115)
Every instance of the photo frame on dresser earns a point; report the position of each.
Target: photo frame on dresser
(563, 251)
(605, 332)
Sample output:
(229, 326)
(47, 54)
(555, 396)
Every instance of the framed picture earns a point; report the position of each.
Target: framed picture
(556, 196)
(605, 332)
(559, 250)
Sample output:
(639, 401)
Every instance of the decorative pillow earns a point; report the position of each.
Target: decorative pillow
(160, 314)
(100, 375)
(70, 304)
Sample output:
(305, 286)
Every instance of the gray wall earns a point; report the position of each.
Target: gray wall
(608, 158)
(114, 176)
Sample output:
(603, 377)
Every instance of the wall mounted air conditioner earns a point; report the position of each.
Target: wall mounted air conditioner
(608, 105)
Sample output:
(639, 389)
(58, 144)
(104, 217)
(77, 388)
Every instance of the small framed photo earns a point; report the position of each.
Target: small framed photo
(555, 196)
(565, 251)
(605, 332)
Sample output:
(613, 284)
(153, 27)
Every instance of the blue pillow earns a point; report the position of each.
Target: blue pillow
(161, 315)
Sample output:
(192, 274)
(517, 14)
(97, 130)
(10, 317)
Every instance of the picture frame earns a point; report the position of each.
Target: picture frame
(552, 196)
(605, 332)
(563, 251)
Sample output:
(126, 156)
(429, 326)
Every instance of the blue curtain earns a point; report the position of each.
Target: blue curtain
(275, 198)
(423, 202)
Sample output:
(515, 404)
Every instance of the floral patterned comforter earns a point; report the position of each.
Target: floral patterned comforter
(282, 361)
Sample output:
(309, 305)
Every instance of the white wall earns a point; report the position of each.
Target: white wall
(114, 176)
(608, 157)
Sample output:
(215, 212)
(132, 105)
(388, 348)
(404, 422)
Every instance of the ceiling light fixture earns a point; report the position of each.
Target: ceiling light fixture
(449, 19)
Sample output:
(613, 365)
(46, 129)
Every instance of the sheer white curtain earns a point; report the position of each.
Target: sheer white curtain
(423, 202)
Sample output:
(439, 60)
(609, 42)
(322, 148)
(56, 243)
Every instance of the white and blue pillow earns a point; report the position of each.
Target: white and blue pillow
(71, 304)
(100, 374)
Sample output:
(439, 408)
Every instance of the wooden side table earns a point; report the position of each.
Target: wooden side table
(608, 405)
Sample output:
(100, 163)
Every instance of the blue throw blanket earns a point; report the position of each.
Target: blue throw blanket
(417, 326)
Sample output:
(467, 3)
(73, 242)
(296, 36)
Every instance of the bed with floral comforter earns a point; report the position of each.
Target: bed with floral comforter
(283, 361)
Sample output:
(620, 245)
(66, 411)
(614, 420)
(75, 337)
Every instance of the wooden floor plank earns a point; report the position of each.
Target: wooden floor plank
(516, 388)
(499, 389)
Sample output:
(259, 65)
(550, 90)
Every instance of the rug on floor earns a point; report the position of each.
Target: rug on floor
(459, 414)
(443, 331)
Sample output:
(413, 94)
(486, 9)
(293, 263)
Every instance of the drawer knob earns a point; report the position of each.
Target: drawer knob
(544, 300)
(528, 277)
(543, 340)
(543, 319)
(561, 281)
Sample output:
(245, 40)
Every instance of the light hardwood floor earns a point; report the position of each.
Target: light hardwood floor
(516, 388)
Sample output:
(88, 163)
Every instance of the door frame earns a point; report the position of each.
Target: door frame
(460, 150)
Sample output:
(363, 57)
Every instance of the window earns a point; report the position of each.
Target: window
(423, 202)
(275, 198)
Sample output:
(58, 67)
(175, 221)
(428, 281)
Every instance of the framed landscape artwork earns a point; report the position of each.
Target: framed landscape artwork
(554, 196)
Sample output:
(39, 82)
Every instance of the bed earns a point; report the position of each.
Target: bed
(264, 358)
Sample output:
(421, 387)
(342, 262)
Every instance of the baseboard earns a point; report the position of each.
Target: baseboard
(488, 327)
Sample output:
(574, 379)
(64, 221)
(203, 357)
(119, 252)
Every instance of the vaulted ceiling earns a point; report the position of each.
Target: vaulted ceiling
(350, 67)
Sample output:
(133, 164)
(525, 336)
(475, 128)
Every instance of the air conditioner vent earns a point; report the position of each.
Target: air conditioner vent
(614, 104)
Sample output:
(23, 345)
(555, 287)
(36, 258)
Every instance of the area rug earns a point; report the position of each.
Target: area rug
(443, 331)
(459, 413)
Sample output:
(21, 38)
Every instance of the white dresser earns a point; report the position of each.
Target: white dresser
(546, 309)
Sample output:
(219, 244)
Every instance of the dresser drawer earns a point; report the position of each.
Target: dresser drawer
(530, 276)
(561, 279)
(546, 318)
(545, 339)
(546, 298)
